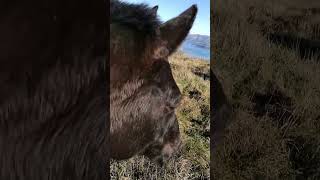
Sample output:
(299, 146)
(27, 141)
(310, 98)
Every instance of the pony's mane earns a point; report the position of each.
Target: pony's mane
(139, 17)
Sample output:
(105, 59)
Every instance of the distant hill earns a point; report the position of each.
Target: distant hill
(202, 41)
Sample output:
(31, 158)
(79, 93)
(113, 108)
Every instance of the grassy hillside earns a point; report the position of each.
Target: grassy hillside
(275, 132)
(192, 162)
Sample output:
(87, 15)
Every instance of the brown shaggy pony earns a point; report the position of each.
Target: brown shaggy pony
(53, 84)
(144, 94)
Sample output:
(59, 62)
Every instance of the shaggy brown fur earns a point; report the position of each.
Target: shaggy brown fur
(53, 102)
(144, 94)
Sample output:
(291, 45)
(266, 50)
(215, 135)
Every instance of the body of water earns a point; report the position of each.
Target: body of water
(195, 51)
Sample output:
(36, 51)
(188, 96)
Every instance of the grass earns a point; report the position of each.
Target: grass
(275, 132)
(193, 116)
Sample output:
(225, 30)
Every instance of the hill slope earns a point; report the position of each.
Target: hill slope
(202, 41)
(274, 92)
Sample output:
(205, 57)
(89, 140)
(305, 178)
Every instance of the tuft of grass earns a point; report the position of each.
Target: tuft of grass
(193, 114)
(275, 94)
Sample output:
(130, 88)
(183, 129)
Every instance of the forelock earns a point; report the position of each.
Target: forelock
(139, 17)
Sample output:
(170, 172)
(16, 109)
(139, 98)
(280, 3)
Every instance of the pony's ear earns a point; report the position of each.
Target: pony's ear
(175, 30)
(154, 10)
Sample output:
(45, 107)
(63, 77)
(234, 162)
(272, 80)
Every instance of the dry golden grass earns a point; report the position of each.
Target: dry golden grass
(284, 144)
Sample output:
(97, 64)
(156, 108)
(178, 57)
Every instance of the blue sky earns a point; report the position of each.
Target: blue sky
(171, 8)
